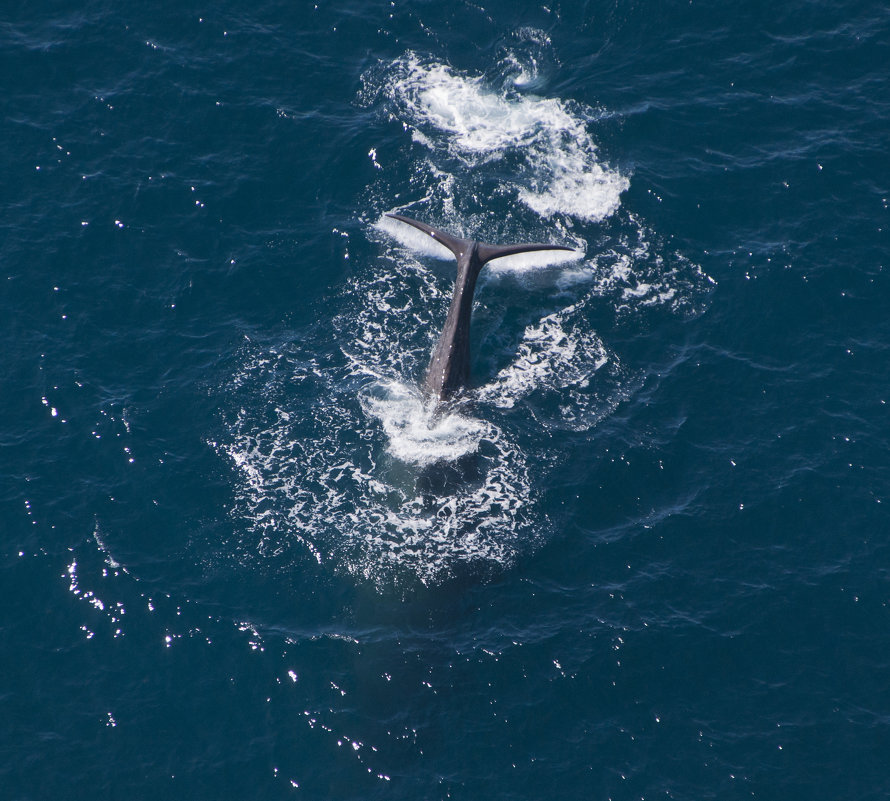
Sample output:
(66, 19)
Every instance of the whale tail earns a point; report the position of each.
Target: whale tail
(449, 367)
(461, 248)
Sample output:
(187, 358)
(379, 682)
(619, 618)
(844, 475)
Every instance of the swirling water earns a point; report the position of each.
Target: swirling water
(644, 556)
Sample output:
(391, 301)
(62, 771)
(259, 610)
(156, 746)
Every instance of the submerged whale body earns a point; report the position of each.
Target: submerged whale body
(449, 367)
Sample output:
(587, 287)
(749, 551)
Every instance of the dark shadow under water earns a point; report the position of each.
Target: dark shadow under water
(444, 479)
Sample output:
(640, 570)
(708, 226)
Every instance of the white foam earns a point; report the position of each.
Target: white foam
(526, 60)
(559, 171)
(331, 490)
(551, 356)
(592, 193)
(419, 434)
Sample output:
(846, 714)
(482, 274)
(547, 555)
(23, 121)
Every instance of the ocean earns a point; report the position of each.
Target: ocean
(643, 556)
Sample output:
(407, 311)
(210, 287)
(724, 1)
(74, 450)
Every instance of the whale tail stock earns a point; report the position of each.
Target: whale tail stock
(463, 248)
(449, 367)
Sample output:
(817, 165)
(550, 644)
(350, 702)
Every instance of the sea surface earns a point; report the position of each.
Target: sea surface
(644, 556)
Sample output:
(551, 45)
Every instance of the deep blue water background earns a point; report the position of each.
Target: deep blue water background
(677, 586)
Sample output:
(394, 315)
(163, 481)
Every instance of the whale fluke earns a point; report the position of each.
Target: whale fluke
(449, 367)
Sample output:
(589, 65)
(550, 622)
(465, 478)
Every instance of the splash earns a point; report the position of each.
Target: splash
(365, 487)
(556, 169)
(337, 458)
(418, 434)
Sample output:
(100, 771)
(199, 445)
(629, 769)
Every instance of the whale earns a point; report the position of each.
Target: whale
(449, 368)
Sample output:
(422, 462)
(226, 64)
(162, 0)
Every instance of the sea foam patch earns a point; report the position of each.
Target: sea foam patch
(417, 432)
(370, 485)
(558, 170)
(552, 355)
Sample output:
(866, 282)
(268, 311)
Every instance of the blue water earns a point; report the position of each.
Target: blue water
(647, 554)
